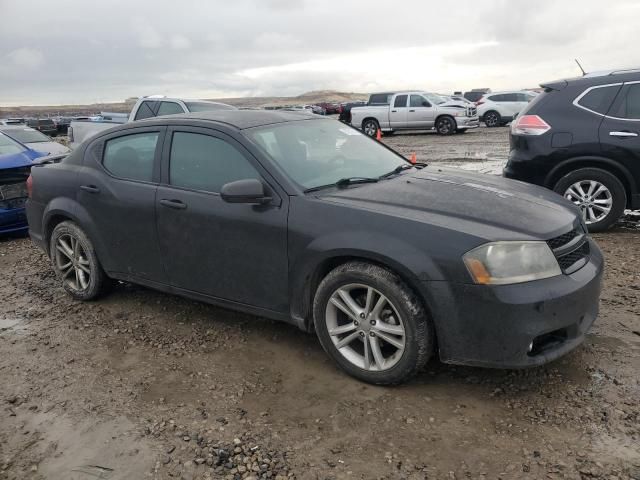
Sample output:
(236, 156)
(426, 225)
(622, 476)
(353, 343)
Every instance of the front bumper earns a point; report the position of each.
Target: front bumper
(467, 122)
(516, 326)
(13, 221)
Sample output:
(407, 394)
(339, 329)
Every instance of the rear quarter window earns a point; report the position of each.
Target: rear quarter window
(598, 99)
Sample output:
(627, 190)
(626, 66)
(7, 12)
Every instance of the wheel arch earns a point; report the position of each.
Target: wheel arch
(65, 209)
(334, 260)
(603, 163)
(365, 119)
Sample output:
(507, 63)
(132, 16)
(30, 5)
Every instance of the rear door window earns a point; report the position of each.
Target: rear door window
(598, 99)
(400, 101)
(132, 156)
(203, 162)
(627, 105)
(497, 98)
(169, 108)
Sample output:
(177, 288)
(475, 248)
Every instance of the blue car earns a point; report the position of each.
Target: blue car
(16, 160)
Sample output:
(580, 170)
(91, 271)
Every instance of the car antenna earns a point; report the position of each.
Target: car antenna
(580, 67)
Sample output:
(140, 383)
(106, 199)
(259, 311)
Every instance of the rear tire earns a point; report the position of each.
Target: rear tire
(370, 127)
(599, 194)
(75, 262)
(492, 119)
(400, 318)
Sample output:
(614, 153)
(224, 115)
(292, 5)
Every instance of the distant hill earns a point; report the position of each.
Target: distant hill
(125, 106)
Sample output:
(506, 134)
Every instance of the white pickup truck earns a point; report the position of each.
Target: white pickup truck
(145, 107)
(414, 110)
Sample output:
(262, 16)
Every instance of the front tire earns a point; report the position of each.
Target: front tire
(371, 324)
(370, 127)
(75, 262)
(599, 194)
(446, 125)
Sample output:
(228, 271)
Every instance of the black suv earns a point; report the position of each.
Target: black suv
(581, 139)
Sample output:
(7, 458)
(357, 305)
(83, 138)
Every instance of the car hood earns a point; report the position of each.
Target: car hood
(48, 147)
(18, 160)
(487, 206)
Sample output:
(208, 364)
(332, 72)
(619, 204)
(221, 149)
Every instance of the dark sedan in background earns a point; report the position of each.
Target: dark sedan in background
(306, 220)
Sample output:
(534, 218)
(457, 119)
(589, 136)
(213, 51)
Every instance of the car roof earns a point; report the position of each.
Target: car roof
(239, 119)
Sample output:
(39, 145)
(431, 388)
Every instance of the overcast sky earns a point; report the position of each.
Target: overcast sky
(80, 51)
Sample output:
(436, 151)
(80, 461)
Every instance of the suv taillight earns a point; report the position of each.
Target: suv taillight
(479, 102)
(530, 125)
(30, 186)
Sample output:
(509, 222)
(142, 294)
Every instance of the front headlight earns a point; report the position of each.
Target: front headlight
(501, 263)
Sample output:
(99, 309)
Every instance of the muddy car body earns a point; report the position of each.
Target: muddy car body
(306, 220)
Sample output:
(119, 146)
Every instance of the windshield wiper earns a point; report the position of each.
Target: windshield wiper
(343, 182)
(400, 168)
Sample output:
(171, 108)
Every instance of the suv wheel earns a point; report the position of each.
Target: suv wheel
(75, 262)
(372, 324)
(492, 119)
(446, 126)
(599, 194)
(370, 127)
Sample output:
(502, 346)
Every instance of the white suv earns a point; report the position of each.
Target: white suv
(499, 108)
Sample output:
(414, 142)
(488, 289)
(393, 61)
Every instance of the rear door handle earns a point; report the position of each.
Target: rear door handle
(90, 188)
(412, 110)
(623, 134)
(177, 204)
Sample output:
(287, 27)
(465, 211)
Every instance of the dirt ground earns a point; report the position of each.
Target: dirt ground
(142, 384)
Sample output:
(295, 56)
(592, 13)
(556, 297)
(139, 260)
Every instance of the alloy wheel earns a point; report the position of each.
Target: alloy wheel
(491, 119)
(445, 126)
(365, 327)
(593, 198)
(370, 128)
(72, 262)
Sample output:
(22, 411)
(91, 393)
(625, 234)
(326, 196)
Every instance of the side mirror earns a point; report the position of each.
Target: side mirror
(250, 191)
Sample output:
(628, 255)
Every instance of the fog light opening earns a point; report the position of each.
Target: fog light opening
(547, 341)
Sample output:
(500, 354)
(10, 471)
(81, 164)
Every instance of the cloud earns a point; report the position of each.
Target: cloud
(28, 58)
(282, 47)
(179, 42)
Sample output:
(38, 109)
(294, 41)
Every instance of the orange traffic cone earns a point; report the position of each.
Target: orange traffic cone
(413, 159)
(379, 135)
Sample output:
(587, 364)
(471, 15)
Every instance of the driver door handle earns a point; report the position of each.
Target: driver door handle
(623, 134)
(177, 204)
(412, 110)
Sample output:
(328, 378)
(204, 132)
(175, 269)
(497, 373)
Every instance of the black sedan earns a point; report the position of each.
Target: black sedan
(306, 220)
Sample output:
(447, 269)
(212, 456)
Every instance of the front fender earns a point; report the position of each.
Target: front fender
(330, 250)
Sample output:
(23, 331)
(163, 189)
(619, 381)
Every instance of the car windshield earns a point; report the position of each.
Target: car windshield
(9, 146)
(207, 106)
(321, 152)
(28, 135)
(433, 98)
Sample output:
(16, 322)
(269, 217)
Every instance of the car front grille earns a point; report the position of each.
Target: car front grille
(571, 249)
(563, 239)
(580, 254)
(472, 111)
